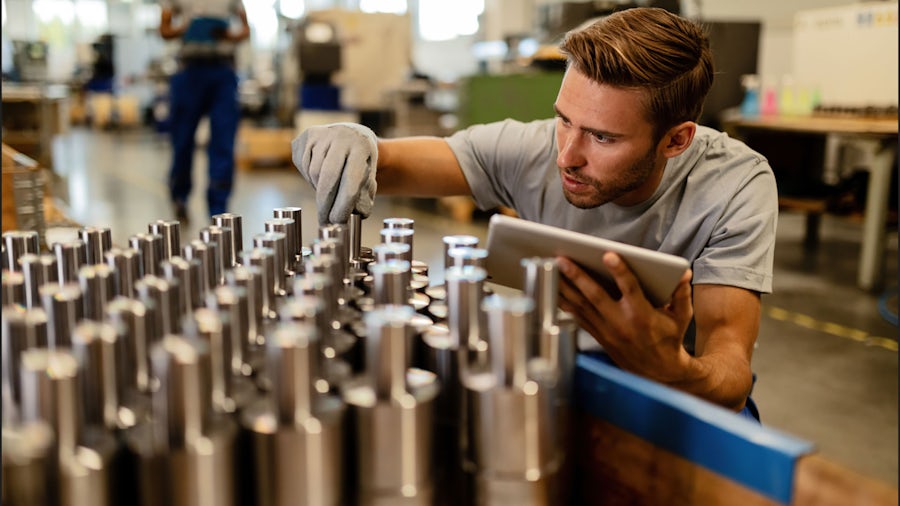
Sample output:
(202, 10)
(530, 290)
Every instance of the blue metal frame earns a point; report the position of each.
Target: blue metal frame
(757, 457)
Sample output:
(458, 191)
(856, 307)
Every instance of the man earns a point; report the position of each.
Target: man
(624, 160)
(205, 84)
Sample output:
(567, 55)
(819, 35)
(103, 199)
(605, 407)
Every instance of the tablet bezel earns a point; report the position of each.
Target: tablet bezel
(512, 239)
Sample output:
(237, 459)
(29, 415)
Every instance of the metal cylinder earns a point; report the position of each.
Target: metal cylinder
(50, 392)
(70, 256)
(150, 247)
(264, 260)
(404, 223)
(514, 432)
(249, 278)
(20, 242)
(401, 235)
(234, 223)
(298, 438)
(187, 280)
(222, 237)
(13, 284)
(292, 248)
(98, 287)
(134, 320)
(354, 235)
(99, 350)
(161, 297)
(64, 306)
(391, 251)
(232, 301)
(333, 248)
(340, 234)
(192, 452)
(465, 319)
(456, 241)
(293, 213)
(97, 241)
(127, 268)
(23, 329)
(275, 241)
(210, 262)
(170, 231)
(467, 257)
(390, 282)
(394, 415)
(27, 450)
(37, 270)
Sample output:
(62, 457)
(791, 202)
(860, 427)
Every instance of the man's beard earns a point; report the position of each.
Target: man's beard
(627, 181)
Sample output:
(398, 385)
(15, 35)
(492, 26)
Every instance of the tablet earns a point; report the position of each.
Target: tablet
(512, 239)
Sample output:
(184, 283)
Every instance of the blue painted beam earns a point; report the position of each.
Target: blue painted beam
(758, 457)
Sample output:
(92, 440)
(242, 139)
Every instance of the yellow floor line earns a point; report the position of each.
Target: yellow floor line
(806, 321)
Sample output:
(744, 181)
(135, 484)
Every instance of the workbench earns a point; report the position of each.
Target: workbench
(875, 136)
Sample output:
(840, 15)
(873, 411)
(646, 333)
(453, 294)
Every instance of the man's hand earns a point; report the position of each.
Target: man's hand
(639, 337)
(339, 161)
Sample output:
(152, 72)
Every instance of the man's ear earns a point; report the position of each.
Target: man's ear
(678, 138)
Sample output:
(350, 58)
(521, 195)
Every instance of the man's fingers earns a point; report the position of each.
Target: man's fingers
(622, 275)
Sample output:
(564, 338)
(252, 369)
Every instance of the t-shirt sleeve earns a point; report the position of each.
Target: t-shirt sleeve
(498, 158)
(740, 251)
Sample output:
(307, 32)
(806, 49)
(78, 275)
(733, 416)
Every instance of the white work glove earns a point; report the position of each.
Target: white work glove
(339, 161)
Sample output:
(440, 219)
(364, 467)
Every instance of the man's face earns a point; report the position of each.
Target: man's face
(606, 146)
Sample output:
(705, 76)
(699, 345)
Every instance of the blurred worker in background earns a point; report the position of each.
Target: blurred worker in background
(624, 159)
(206, 84)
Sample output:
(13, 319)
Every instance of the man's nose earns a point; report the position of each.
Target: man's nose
(569, 151)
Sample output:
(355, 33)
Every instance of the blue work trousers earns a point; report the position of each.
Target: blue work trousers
(201, 89)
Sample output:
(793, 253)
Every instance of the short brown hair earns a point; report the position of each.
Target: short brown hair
(651, 49)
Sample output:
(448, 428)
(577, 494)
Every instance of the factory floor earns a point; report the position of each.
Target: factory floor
(827, 351)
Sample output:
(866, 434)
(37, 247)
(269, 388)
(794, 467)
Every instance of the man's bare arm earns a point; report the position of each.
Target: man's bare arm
(419, 167)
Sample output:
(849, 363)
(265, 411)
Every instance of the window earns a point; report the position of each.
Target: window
(442, 20)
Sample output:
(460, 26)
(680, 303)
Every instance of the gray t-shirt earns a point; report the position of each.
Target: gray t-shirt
(716, 206)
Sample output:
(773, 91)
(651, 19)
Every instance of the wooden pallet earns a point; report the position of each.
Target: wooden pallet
(263, 147)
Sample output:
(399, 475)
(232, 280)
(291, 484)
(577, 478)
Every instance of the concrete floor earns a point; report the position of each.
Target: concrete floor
(826, 357)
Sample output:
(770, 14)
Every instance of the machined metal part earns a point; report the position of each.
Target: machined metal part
(83, 457)
(275, 241)
(97, 241)
(100, 349)
(401, 235)
(292, 246)
(230, 392)
(340, 234)
(150, 247)
(222, 237)
(37, 270)
(296, 214)
(210, 261)
(390, 284)
(467, 256)
(233, 222)
(27, 452)
(297, 433)
(64, 305)
(249, 277)
(13, 284)
(456, 241)
(333, 247)
(170, 231)
(187, 279)
(320, 286)
(98, 287)
(126, 265)
(335, 345)
(161, 296)
(354, 235)
(232, 301)
(394, 410)
(70, 256)
(514, 430)
(17, 243)
(23, 329)
(264, 259)
(135, 321)
(190, 452)
(391, 251)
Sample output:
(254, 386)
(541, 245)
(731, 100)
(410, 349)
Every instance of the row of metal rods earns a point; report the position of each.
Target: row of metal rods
(156, 373)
